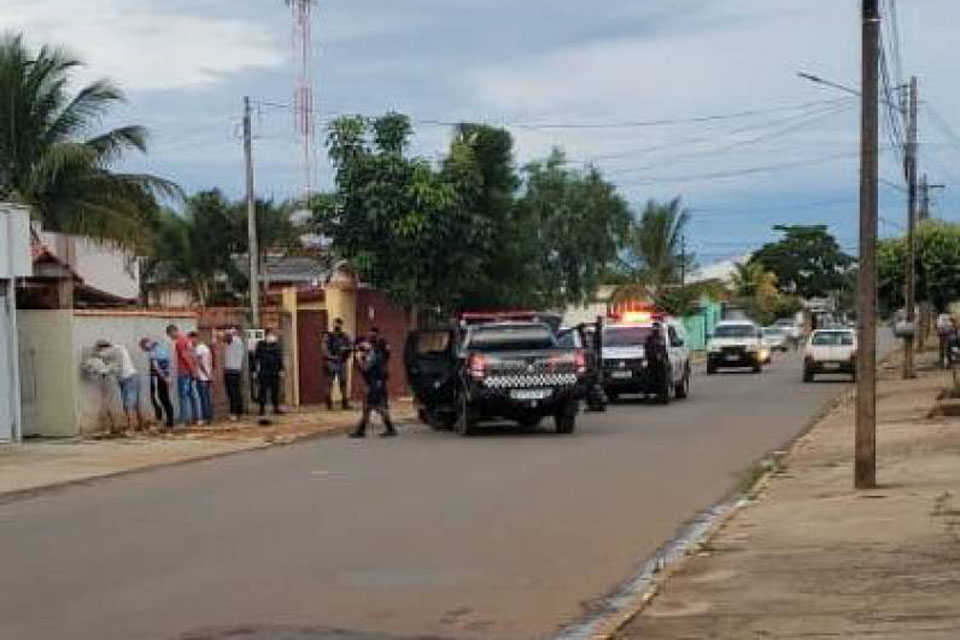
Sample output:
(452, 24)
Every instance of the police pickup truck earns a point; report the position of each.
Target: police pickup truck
(512, 369)
(629, 369)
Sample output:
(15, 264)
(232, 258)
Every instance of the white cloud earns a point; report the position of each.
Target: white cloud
(142, 46)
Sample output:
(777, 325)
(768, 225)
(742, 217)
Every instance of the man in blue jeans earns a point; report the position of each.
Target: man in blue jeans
(186, 374)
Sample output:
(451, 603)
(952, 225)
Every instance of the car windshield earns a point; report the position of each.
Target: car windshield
(736, 331)
(784, 322)
(512, 337)
(625, 336)
(772, 332)
(832, 339)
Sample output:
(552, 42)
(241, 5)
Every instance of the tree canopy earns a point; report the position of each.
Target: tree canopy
(937, 266)
(471, 231)
(807, 261)
(50, 160)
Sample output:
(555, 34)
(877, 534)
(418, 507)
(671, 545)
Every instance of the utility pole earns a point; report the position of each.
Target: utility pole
(865, 444)
(910, 165)
(252, 247)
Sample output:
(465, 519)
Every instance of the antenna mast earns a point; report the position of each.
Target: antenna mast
(303, 93)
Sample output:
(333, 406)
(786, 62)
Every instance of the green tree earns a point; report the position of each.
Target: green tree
(195, 251)
(755, 290)
(49, 160)
(937, 266)
(654, 256)
(504, 243)
(393, 216)
(580, 224)
(807, 261)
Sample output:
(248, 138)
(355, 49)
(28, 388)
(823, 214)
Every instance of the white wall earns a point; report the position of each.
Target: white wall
(48, 373)
(101, 265)
(58, 400)
(98, 401)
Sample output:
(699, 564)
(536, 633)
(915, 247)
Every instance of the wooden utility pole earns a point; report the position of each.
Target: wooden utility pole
(910, 272)
(865, 445)
(252, 246)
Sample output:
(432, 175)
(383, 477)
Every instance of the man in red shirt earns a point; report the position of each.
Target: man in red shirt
(186, 361)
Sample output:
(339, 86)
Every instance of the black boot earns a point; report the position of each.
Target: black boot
(359, 432)
(389, 431)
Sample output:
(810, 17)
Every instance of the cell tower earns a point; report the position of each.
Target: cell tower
(303, 106)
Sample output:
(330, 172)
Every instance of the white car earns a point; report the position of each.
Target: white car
(775, 339)
(626, 369)
(792, 328)
(830, 351)
(736, 344)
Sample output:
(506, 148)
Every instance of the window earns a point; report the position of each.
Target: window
(832, 339)
(675, 339)
(625, 336)
(736, 331)
(512, 337)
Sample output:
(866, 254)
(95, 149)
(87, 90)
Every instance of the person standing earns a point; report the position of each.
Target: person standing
(336, 348)
(658, 363)
(158, 358)
(204, 380)
(233, 355)
(372, 359)
(946, 329)
(120, 364)
(268, 357)
(186, 374)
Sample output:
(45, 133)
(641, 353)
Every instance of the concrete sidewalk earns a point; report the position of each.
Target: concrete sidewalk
(812, 558)
(39, 464)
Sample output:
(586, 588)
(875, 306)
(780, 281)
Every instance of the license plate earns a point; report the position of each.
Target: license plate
(732, 357)
(530, 394)
(621, 375)
(831, 365)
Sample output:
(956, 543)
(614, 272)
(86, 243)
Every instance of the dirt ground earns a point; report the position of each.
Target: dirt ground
(812, 558)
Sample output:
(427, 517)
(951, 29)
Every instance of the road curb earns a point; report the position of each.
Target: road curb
(17, 495)
(633, 595)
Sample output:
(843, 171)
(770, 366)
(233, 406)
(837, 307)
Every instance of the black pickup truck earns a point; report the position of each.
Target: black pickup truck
(514, 370)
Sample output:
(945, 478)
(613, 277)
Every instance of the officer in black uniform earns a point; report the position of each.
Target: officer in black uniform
(372, 358)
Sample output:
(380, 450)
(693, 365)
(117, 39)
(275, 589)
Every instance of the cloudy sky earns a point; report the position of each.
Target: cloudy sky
(696, 98)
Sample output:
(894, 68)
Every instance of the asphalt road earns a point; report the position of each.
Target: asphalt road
(503, 535)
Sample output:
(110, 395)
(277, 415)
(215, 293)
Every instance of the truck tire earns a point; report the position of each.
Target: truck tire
(711, 368)
(565, 422)
(466, 423)
(757, 368)
(682, 390)
(664, 396)
(807, 375)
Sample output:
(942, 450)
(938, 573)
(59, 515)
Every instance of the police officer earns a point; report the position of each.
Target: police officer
(337, 347)
(655, 351)
(372, 358)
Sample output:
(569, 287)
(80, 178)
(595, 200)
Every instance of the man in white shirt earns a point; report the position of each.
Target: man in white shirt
(946, 330)
(204, 377)
(234, 353)
(120, 365)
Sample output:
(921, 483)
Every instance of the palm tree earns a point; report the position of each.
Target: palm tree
(654, 253)
(50, 160)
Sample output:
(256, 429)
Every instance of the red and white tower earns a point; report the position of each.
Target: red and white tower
(303, 101)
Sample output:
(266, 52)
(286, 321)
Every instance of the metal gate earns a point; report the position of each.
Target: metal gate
(310, 328)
